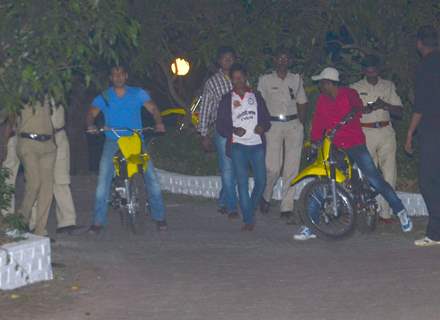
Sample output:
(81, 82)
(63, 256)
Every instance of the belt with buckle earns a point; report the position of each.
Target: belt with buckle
(59, 130)
(36, 137)
(380, 124)
(283, 118)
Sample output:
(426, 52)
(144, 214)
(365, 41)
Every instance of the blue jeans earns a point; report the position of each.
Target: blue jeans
(228, 193)
(106, 172)
(362, 158)
(242, 157)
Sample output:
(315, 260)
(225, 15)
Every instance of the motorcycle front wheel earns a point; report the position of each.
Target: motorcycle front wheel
(136, 205)
(317, 210)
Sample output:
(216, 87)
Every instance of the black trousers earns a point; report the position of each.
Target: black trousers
(429, 178)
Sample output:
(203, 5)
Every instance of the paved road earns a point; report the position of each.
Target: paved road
(205, 268)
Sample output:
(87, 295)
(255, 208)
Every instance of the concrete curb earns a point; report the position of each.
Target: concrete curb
(25, 262)
(209, 187)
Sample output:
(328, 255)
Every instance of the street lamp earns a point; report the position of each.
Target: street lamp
(180, 67)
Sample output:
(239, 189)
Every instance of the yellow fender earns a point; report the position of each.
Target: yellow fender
(316, 170)
(131, 149)
(181, 112)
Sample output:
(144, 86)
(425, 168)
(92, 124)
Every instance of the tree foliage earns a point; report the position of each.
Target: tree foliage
(47, 44)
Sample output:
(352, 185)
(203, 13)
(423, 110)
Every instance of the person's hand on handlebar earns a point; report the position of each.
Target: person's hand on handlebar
(92, 129)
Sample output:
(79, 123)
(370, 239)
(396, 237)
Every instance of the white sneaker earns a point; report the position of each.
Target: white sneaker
(405, 221)
(305, 233)
(426, 242)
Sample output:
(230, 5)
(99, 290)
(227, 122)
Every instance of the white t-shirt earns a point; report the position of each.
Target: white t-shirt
(245, 115)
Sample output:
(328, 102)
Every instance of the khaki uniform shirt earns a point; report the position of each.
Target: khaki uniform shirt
(62, 163)
(384, 89)
(37, 120)
(58, 117)
(282, 95)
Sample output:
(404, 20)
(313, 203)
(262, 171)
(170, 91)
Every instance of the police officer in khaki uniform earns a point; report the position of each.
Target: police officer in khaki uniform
(37, 152)
(286, 101)
(65, 209)
(381, 102)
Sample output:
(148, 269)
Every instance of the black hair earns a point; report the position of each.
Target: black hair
(119, 66)
(370, 60)
(238, 67)
(221, 51)
(428, 36)
(282, 50)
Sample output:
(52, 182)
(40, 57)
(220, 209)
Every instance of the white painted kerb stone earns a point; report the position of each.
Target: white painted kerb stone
(209, 187)
(25, 262)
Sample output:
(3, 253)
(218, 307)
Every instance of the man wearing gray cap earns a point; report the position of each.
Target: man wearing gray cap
(333, 104)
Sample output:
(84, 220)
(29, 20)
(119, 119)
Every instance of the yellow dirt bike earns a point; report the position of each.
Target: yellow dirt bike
(171, 113)
(337, 197)
(128, 194)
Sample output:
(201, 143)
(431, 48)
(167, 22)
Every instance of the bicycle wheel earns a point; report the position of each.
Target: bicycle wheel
(317, 210)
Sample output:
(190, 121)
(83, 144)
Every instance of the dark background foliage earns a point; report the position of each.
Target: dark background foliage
(65, 48)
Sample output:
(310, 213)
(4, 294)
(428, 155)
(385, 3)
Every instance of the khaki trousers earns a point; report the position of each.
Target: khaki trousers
(12, 163)
(290, 135)
(381, 143)
(38, 159)
(65, 209)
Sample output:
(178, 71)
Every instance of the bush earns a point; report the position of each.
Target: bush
(6, 191)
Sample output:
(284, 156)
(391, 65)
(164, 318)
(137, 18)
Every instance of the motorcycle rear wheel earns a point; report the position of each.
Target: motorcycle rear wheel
(367, 222)
(316, 210)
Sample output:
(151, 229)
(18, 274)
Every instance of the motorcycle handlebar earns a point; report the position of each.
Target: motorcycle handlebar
(105, 129)
(347, 118)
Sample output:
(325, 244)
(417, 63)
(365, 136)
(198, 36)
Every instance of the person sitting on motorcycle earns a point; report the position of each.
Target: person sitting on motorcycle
(332, 105)
(121, 106)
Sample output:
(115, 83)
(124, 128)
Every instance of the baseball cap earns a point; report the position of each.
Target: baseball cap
(328, 74)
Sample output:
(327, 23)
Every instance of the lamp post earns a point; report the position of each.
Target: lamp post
(180, 67)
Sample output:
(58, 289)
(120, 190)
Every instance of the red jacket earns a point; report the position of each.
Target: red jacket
(329, 112)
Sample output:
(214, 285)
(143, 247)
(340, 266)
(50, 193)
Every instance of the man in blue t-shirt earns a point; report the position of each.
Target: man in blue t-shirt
(121, 106)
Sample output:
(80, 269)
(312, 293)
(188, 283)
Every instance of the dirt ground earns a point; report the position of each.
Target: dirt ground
(205, 268)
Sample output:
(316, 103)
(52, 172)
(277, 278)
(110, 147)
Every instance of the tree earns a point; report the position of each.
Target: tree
(47, 44)
(61, 45)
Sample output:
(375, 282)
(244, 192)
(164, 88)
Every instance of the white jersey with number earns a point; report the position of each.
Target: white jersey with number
(245, 115)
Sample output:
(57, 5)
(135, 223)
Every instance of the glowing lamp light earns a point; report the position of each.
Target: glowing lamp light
(180, 67)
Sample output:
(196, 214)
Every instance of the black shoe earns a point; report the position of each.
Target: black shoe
(73, 230)
(264, 206)
(161, 225)
(222, 210)
(95, 230)
(285, 214)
